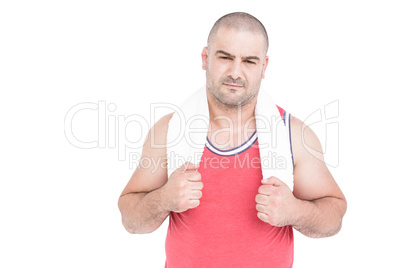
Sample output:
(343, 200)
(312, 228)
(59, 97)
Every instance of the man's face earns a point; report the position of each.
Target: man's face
(235, 62)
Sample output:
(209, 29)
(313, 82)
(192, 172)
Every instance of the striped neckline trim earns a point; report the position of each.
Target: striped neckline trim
(233, 151)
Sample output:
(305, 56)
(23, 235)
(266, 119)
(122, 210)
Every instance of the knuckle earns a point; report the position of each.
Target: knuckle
(183, 204)
(260, 208)
(182, 184)
(182, 196)
(195, 177)
(277, 193)
(262, 216)
(273, 220)
(271, 204)
(195, 203)
(261, 199)
(261, 189)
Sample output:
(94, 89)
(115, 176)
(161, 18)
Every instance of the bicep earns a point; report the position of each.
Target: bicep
(151, 171)
(312, 179)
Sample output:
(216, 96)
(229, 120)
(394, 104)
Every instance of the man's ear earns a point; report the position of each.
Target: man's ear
(264, 66)
(204, 56)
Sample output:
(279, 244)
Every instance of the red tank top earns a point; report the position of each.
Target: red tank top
(224, 230)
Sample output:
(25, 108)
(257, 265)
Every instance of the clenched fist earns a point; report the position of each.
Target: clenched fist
(276, 203)
(183, 189)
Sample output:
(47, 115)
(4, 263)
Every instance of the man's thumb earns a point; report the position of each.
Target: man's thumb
(272, 181)
(188, 166)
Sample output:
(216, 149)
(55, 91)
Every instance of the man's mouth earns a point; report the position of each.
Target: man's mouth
(235, 86)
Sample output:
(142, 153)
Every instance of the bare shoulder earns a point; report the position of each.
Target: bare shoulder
(312, 178)
(156, 138)
(305, 142)
(151, 171)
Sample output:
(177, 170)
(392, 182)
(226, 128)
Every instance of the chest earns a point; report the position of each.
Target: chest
(231, 180)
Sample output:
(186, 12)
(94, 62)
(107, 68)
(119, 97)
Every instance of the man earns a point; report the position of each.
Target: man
(232, 217)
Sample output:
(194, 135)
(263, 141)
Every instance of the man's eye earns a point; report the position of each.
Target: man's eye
(249, 61)
(225, 58)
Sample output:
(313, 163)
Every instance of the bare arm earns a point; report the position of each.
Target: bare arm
(321, 217)
(142, 212)
(150, 196)
(321, 203)
(316, 206)
(141, 202)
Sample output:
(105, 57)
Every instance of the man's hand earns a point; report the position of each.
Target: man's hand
(183, 189)
(275, 203)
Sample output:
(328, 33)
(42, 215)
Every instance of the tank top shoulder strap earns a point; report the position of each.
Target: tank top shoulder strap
(283, 114)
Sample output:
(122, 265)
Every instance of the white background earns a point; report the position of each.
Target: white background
(59, 202)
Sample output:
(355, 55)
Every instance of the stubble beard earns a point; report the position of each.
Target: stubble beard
(231, 100)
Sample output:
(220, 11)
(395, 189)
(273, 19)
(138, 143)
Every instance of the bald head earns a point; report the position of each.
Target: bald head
(239, 21)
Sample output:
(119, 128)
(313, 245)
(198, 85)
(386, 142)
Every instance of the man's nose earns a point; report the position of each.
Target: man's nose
(235, 71)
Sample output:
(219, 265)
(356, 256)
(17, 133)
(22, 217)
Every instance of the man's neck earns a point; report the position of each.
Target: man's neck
(238, 121)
